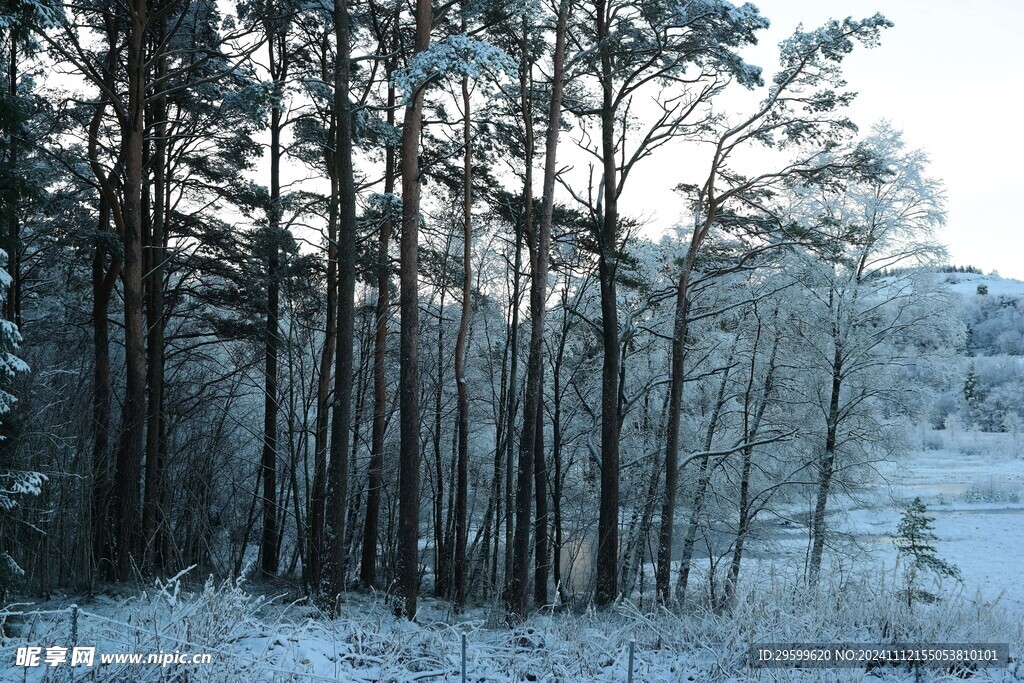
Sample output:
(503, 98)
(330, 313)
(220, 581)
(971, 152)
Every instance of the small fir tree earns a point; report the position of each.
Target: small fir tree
(914, 541)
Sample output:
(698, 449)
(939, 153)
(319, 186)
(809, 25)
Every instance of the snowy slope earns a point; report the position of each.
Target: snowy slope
(966, 284)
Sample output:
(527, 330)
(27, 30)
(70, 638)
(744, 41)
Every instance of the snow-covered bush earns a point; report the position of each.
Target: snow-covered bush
(991, 394)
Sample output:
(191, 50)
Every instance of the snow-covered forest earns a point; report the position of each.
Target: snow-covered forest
(335, 344)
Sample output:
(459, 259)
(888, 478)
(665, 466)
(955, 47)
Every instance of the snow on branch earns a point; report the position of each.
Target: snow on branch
(458, 54)
(28, 14)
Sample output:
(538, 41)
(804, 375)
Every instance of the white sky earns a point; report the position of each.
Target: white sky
(950, 74)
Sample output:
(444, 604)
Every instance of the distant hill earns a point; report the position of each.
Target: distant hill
(967, 284)
(989, 395)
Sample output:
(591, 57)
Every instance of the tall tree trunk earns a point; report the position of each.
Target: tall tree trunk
(354, 523)
(541, 556)
(269, 551)
(826, 463)
(104, 278)
(663, 571)
(127, 510)
(512, 401)
(11, 241)
(409, 461)
(337, 485)
(607, 234)
(269, 547)
(368, 565)
(318, 502)
(442, 563)
(677, 377)
(492, 516)
(531, 454)
(556, 444)
(556, 475)
(462, 469)
(517, 578)
(153, 522)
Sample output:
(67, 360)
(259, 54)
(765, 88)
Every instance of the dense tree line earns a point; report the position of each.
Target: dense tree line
(345, 294)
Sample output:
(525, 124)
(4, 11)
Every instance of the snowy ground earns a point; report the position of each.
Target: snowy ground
(253, 640)
(973, 484)
(966, 284)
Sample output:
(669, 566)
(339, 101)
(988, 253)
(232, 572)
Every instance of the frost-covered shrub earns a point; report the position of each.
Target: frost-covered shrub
(932, 441)
(990, 494)
(991, 393)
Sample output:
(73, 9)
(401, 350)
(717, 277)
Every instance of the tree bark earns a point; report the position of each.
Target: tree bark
(11, 242)
(153, 522)
(677, 377)
(462, 469)
(318, 502)
(104, 279)
(442, 559)
(409, 460)
(269, 541)
(556, 442)
(663, 571)
(517, 579)
(337, 486)
(607, 238)
(127, 523)
(826, 463)
(512, 403)
(368, 565)
(541, 556)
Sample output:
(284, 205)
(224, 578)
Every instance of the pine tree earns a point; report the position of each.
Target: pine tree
(19, 192)
(914, 542)
(16, 481)
(975, 396)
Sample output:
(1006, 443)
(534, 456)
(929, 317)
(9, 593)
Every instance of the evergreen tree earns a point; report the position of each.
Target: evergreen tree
(15, 482)
(914, 542)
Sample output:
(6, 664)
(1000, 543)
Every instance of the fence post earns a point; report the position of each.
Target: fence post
(632, 646)
(463, 658)
(74, 637)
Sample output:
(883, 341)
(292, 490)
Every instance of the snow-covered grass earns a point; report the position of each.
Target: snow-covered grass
(253, 638)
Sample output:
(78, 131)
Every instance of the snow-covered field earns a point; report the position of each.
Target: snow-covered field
(973, 484)
(252, 639)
